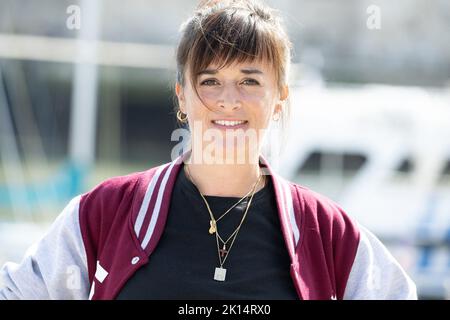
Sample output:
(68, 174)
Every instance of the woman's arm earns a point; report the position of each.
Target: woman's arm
(376, 275)
(55, 267)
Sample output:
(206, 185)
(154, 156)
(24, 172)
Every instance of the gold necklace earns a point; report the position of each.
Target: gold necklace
(213, 221)
(220, 272)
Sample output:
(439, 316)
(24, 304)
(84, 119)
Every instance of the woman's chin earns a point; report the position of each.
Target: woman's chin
(231, 153)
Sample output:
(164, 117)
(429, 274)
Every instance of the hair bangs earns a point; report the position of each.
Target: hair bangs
(227, 38)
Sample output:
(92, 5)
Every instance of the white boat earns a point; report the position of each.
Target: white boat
(383, 154)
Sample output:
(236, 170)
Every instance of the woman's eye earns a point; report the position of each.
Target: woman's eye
(250, 82)
(209, 82)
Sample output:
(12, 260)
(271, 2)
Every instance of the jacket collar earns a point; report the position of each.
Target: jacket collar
(149, 223)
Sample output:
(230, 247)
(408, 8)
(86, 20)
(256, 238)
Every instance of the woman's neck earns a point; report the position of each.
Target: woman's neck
(225, 180)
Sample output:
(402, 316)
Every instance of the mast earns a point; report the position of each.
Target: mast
(84, 93)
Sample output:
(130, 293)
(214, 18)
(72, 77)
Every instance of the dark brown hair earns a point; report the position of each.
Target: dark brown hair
(229, 31)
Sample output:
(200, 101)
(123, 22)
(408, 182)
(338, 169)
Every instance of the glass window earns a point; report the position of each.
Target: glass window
(319, 161)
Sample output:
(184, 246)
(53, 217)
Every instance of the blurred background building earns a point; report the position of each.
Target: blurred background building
(81, 101)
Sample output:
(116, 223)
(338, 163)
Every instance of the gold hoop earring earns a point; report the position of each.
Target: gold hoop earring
(180, 116)
(276, 116)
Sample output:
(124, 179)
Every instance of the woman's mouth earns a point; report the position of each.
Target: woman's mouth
(230, 124)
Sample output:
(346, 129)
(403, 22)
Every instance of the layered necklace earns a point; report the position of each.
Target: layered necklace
(224, 245)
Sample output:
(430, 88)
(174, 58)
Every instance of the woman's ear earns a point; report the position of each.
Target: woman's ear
(180, 95)
(284, 93)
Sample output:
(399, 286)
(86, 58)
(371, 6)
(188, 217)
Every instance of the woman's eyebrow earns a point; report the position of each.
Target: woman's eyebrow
(245, 71)
(207, 71)
(251, 71)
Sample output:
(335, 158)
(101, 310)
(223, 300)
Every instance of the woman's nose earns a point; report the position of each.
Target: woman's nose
(229, 98)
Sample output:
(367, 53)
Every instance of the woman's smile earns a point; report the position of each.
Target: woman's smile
(233, 124)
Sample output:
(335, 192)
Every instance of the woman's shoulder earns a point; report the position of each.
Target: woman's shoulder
(114, 200)
(112, 187)
(104, 200)
(322, 209)
(315, 200)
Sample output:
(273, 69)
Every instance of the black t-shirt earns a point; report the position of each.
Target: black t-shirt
(182, 265)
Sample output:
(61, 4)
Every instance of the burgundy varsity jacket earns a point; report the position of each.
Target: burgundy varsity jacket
(123, 219)
(103, 236)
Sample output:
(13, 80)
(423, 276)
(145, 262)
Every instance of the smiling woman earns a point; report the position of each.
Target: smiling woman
(233, 61)
(234, 106)
(212, 229)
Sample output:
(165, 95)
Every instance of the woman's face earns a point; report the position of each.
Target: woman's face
(242, 99)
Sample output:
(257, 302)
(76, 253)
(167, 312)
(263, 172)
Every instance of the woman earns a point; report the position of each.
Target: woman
(202, 227)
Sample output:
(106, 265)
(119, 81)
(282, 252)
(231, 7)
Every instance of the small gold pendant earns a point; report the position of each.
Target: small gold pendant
(212, 227)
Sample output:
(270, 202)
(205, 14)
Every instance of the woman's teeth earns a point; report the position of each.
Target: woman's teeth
(229, 123)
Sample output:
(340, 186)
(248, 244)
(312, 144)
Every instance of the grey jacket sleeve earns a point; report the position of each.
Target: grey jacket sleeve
(55, 267)
(376, 275)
